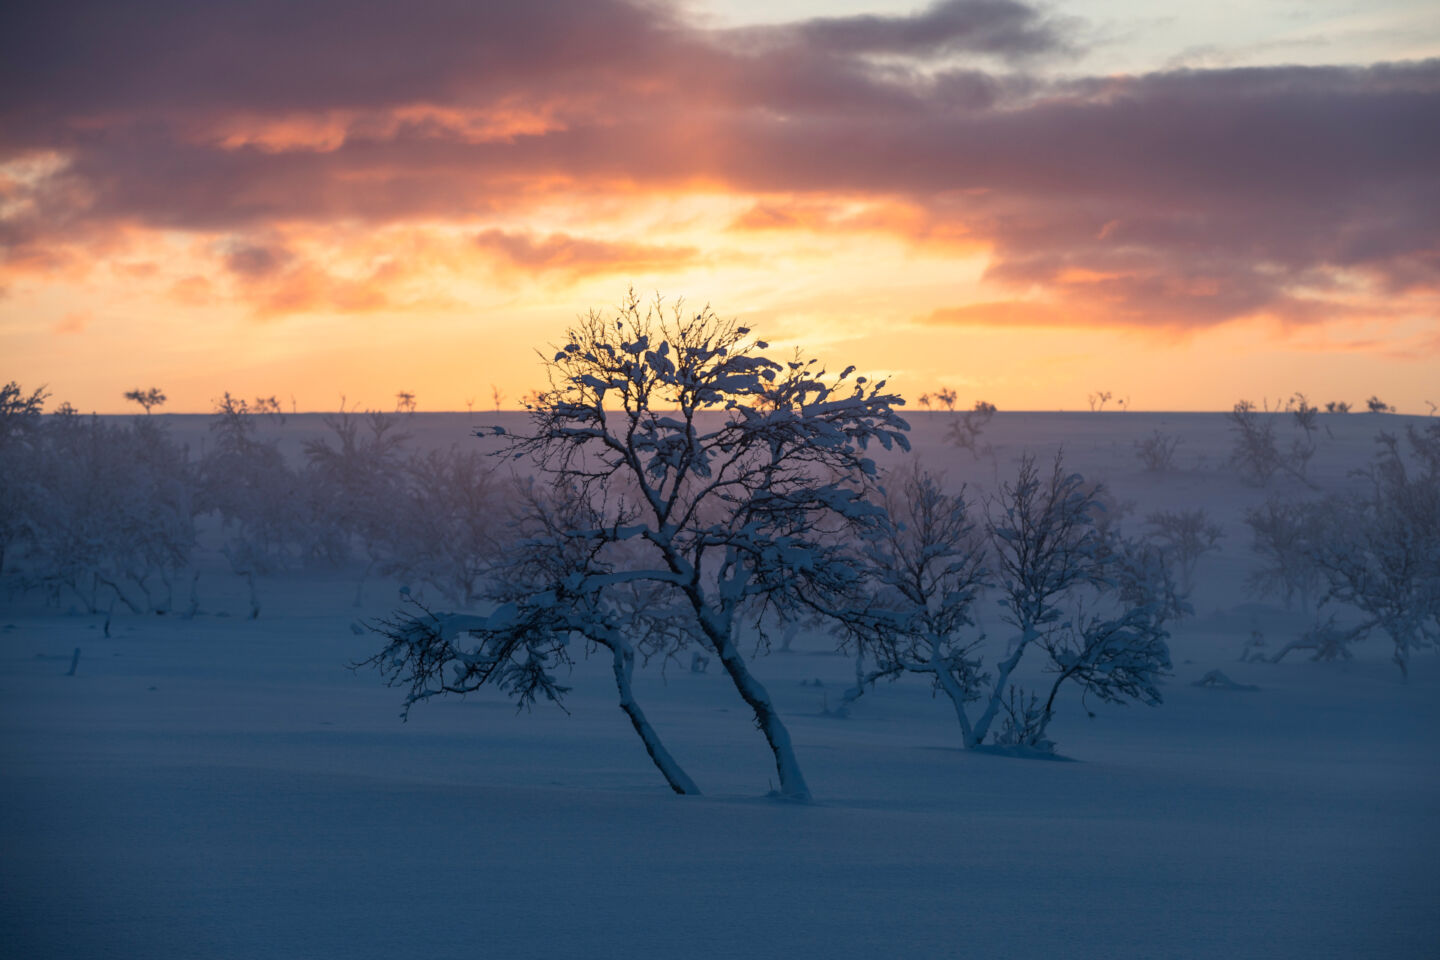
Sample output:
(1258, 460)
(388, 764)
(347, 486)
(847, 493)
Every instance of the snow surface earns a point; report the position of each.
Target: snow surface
(226, 788)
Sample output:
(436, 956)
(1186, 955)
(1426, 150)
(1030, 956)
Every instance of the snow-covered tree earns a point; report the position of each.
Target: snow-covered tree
(1051, 559)
(1257, 456)
(447, 525)
(1378, 553)
(21, 415)
(430, 518)
(112, 513)
(1304, 412)
(965, 429)
(1157, 451)
(550, 589)
(1370, 556)
(927, 570)
(1283, 535)
(165, 501)
(355, 485)
(1094, 604)
(1184, 536)
(734, 478)
(245, 480)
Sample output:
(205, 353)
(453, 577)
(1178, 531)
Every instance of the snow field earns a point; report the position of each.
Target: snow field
(223, 788)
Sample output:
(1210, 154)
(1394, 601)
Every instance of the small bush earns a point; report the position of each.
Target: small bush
(1183, 536)
(964, 431)
(1257, 456)
(1157, 452)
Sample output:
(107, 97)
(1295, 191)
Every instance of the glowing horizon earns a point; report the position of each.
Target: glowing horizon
(995, 197)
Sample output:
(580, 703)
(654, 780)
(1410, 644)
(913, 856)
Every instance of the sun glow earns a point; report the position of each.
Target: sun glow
(937, 200)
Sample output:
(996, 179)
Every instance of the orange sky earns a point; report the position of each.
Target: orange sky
(317, 204)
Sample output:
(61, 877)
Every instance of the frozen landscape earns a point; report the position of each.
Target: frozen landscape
(689, 639)
(210, 785)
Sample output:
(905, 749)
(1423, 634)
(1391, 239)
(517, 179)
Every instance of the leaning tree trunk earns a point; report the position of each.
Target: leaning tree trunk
(679, 780)
(997, 691)
(767, 718)
(954, 691)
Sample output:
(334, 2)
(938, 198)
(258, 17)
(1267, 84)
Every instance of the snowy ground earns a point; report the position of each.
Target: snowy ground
(225, 788)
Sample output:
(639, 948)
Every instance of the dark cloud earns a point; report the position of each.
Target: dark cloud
(94, 57)
(80, 64)
(1000, 27)
(251, 261)
(1186, 197)
(578, 256)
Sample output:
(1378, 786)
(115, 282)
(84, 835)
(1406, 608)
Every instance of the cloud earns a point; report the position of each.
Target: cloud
(1179, 199)
(1001, 27)
(274, 279)
(171, 60)
(253, 262)
(308, 289)
(166, 57)
(73, 322)
(886, 215)
(192, 291)
(1007, 313)
(577, 256)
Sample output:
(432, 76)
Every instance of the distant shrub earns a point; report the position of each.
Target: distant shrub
(354, 486)
(111, 515)
(1184, 536)
(1375, 553)
(258, 498)
(943, 397)
(21, 416)
(448, 522)
(1157, 452)
(153, 397)
(1376, 405)
(1257, 456)
(1304, 413)
(1283, 536)
(964, 431)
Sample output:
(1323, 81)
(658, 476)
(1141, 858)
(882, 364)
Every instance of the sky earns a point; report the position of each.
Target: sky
(1182, 205)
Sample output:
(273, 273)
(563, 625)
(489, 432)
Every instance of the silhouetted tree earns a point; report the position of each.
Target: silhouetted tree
(154, 397)
(731, 480)
(21, 414)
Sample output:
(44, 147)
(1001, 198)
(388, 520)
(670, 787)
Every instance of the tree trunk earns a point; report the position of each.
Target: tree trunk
(956, 694)
(249, 576)
(997, 692)
(855, 692)
(194, 606)
(679, 780)
(792, 781)
(119, 593)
